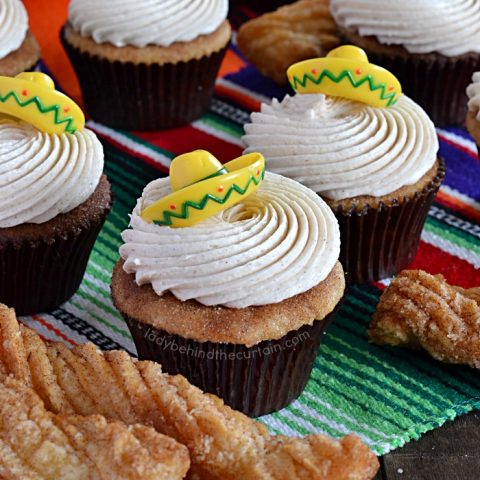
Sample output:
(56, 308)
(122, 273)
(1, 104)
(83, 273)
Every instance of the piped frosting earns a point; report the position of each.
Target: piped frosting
(146, 22)
(341, 148)
(449, 27)
(279, 242)
(43, 175)
(13, 26)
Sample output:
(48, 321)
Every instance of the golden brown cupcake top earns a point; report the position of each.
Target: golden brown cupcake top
(153, 54)
(247, 326)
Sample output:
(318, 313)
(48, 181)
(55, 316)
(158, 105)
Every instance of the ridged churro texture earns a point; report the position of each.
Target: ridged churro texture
(36, 444)
(223, 444)
(422, 311)
(276, 40)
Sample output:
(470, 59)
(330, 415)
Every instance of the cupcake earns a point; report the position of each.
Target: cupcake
(374, 163)
(473, 115)
(54, 198)
(146, 65)
(237, 301)
(432, 46)
(19, 50)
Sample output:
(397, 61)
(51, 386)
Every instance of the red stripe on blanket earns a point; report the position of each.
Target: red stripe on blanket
(242, 99)
(434, 260)
(454, 269)
(125, 149)
(458, 146)
(50, 327)
(189, 138)
(457, 205)
(45, 339)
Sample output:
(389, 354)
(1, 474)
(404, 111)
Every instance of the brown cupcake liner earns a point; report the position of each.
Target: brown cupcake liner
(258, 380)
(145, 97)
(38, 274)
(436, 82)
(379, 242)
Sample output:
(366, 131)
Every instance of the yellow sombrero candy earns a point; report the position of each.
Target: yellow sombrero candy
(346, 72)
(202, 187)
(32, 97)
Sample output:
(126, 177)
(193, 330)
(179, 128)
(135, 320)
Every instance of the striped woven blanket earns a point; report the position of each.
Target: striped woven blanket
(386, 395)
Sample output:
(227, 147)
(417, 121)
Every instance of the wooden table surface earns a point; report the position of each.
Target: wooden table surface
(451, 452)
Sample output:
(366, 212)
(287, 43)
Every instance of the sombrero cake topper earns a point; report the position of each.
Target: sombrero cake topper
(346, 72)
(31, 96)
(202, 187)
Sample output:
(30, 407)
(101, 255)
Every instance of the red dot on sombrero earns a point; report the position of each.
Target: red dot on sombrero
(220, 188)
(25, 92)
(66, 109)
(390, 88)
(358, 71)
(173, 207)
(258, 172)
(314, 71)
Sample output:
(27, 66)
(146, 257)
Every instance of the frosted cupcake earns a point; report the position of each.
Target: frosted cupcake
(146, 65)
(473, 115)
(53, 196)
(238, 301)
(376, 166)
(432, 46)
(19, 50)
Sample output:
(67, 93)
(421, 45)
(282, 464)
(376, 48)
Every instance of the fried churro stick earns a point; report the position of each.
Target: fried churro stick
(276, 40)
(223, 443)
(422, 311)
(37, 444)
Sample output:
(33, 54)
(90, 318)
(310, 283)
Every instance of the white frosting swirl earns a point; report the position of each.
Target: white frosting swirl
(449, 27)
(43, 175)
(13, 26)
(279, 242)
(340, 148)
(146, 22)
(473, 93)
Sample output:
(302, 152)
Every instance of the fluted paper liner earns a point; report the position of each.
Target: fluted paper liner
(145, 97)
(39, 274)
(379, 242)
(257, 380)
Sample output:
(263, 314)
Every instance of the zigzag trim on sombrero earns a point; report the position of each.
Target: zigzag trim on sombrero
(42, 109)
(168, 214)
(345, 74)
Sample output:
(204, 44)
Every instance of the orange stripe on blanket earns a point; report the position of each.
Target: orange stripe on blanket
(46, 20)
(50, 327)
(458, 205)
(242, 99)
(232, 63)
